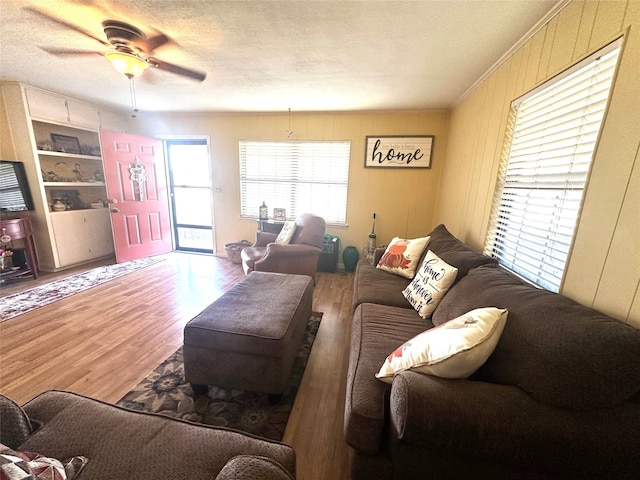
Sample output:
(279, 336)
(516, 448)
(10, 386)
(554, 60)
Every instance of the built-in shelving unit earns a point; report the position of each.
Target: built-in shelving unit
(58, 140)
(73, 179)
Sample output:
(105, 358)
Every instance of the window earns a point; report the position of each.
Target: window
(551, 135)
(300, 177)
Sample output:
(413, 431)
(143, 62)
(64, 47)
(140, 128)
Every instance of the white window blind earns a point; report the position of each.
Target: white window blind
(302, 177)
(551, 136)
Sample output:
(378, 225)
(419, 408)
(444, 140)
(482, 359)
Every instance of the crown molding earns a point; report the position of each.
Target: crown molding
(524, 39)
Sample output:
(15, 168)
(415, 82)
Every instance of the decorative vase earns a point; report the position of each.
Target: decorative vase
(350, 258)
(264, 212)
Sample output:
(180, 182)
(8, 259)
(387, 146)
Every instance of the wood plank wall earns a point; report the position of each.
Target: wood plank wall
(403, 199)
(604, 267)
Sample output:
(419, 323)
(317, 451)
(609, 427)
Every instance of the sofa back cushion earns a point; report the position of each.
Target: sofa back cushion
(309, 230)
(15, 426)
(562, 353)
(456, 253)
(124, 444)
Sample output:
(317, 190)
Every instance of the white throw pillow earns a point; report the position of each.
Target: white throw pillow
(286, 234)
(402, 256)
(455, 349)
(430, 284)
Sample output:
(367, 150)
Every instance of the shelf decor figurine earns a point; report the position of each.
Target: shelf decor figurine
(6, 259)
(77, 173)
(264, 212)
(5, 252)
(58, 205)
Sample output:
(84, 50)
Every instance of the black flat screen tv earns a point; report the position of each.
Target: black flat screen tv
(15, 195)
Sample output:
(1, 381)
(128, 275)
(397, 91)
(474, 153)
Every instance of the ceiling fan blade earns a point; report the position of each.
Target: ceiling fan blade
(150, 44)
(69, 51)
(64, 23)
(169, 67)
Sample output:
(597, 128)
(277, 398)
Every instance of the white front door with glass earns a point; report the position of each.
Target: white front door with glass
(191, 194)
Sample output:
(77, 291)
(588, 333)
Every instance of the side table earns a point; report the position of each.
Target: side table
(270, 226)
(20, 229)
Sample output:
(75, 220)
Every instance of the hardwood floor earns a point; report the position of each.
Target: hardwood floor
(103, 341)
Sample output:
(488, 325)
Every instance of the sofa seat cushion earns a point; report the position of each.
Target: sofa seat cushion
(372, 285)
(122, 443)
(562, 353)
(376, 330)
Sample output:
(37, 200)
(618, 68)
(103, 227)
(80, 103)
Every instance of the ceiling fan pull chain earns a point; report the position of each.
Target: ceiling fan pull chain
(134, 106)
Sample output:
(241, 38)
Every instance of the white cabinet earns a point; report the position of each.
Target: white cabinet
(52, 107)
(83, 114)
(46, 105)
(82, 235)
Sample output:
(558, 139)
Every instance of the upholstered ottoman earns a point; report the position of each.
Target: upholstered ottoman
(248, 338)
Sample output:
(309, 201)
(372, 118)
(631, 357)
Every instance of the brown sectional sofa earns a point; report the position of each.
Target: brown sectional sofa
(558, 398)
(122, 444)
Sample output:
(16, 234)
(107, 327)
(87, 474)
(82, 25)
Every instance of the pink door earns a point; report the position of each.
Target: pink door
(137, 190)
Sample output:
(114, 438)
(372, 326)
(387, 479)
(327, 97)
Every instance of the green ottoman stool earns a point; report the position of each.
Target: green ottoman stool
(248, 338)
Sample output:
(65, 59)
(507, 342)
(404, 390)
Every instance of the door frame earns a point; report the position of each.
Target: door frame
(207, 140)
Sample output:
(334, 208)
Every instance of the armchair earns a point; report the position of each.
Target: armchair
(299, 256)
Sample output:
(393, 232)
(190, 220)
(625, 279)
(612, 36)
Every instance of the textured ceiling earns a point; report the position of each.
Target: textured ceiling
(273, 55)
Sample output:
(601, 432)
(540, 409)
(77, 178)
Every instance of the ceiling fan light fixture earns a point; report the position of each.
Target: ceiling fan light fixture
(127, 63)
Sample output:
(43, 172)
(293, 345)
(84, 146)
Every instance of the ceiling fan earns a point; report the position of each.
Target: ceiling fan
(129, 50)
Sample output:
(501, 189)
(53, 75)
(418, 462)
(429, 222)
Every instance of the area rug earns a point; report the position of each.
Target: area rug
(166, 391)
(23, 302)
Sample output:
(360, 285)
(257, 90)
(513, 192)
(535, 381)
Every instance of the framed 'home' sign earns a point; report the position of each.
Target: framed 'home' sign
(385, 151)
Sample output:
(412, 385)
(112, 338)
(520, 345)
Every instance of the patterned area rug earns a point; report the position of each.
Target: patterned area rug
(166, 391)
(19, 303)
